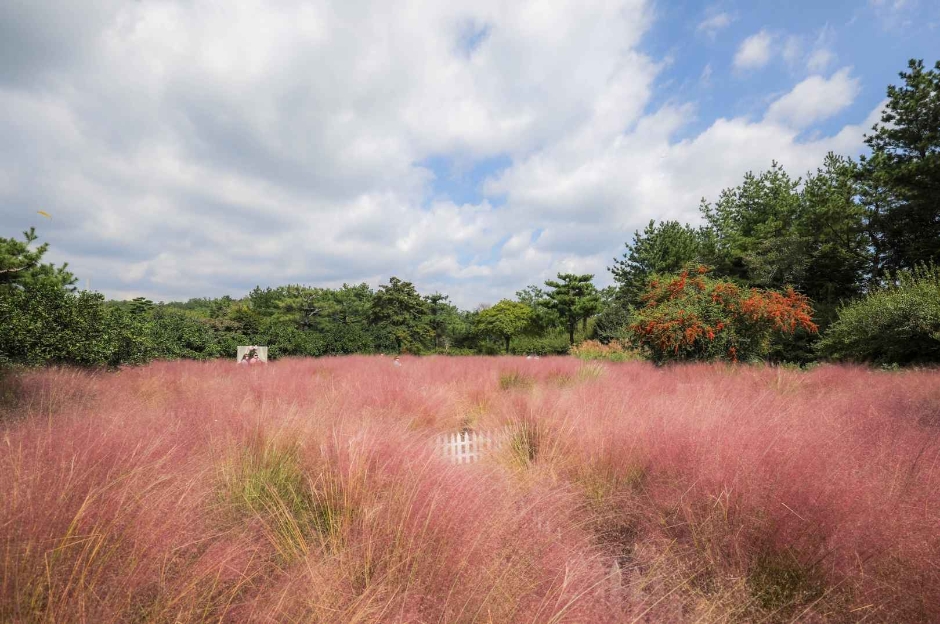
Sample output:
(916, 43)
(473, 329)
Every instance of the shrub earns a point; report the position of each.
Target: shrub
(514, 379)
(525, 440)
(612, 324)
(553, 343)
(899, 324)
(285, 340)
(691, 316)
(614, 351)
(47, 324)
(181, 334)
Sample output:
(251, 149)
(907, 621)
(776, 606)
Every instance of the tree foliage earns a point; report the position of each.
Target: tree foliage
(902, 174)
(22, 266)
(665, 247)
(47, 324)
(752, 232)
(692, 316)
(505, 320)
(895, 324)
(399, 309)
(574, 298)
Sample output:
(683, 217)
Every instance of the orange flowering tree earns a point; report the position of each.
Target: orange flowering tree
(692, 316)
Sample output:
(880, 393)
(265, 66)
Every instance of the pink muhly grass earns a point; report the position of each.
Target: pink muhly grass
(309, 490)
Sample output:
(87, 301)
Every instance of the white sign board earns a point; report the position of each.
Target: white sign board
(261, 352)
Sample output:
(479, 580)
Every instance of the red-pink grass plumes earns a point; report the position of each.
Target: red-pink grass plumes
(313, 490)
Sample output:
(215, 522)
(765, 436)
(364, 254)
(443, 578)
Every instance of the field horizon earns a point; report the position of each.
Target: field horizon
(312, 490)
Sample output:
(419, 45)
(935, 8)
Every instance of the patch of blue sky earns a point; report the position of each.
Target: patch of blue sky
(460, 180)
(875, 39)
(489, 257)
(470, 36)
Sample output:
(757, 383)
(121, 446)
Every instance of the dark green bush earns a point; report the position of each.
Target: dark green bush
(285, 340)
(47, 324)
(553, 343)
(180, 334)
(898, 324)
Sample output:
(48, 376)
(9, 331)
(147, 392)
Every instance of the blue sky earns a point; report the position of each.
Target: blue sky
(473, 147)
(697, 43)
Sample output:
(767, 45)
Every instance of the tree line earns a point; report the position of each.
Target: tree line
(837, 264)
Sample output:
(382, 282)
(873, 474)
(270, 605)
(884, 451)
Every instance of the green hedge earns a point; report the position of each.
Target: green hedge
(898, 324)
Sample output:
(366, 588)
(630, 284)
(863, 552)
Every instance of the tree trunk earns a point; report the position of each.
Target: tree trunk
(571, 327)
(507, 345)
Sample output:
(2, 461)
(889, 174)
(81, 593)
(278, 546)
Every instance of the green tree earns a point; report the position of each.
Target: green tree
(179, 333)
(301, 305)
(343, 323)
(49, 325)
(141, 306)
(752, 230)
(614, 317)
(903, 173)
(443, 319)
(661, 248)
(542, 318)
(574, 298)
(23, 267)
(398, 309)
(835, 227)
(504, 320)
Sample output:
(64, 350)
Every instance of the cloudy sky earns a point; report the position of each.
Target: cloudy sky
(200, 147)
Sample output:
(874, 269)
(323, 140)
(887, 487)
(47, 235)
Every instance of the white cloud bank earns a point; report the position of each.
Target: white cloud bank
(189, 149)
(814, 100)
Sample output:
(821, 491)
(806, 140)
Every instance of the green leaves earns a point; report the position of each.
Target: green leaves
(22, 267)
(901, 179)
(897, 324)
(574, 298)
(505, 320)
(662, 248)
(47, 325)
(399, 309)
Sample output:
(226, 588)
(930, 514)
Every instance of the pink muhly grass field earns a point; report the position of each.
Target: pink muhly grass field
(310, 490)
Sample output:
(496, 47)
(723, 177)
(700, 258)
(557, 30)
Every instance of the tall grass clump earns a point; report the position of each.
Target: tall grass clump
(513, 379)
(265, 481)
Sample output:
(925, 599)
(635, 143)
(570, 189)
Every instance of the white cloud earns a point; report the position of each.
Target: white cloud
(706, 76)
(192, 149)
(822, 55)
(754, 51)
(713, 24)
(820, 60)
(814, 99)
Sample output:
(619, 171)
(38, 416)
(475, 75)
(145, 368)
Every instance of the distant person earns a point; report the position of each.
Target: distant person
(245, 359)
(396, 361)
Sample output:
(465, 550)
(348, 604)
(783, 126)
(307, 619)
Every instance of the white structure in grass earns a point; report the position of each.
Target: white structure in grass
(467, 447)
(261, 351)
